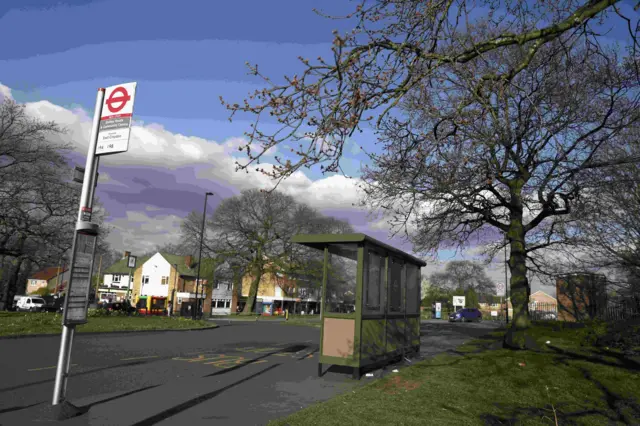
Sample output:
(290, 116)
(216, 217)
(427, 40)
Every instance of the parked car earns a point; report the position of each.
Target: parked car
(53, 303)
(31, 304)
(545, 315)
(466, 314)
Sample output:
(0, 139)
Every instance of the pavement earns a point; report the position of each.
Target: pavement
(242, 373)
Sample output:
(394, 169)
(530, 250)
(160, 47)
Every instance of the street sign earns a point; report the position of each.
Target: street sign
(78, 175)
(115, 120)
(86, 214)
(500, 288)
(458, 301)
(131, 262)
(77, 300)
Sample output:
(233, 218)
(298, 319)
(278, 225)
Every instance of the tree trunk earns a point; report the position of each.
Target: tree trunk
(516, 337)
(11, 287)
(253, 290)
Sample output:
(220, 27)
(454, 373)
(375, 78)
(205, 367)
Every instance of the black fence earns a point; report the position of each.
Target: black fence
(543, 311)
(620, 312)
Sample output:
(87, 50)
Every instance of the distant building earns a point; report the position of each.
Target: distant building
(58, 283)
(40, 279)
(277, 293)
(581, 296)
(115, 286)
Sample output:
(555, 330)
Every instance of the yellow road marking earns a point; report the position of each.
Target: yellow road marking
(139, 357)
(47, 368)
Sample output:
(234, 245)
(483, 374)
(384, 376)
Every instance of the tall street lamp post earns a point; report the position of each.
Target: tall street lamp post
(196, 312)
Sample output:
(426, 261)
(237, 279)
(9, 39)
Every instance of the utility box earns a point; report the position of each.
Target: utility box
(370, 301)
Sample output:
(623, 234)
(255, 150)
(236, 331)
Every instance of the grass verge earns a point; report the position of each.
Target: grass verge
(567, 382)
(19, 323)
(308, 320)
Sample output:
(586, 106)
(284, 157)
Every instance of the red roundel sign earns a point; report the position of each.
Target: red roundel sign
(118, 99)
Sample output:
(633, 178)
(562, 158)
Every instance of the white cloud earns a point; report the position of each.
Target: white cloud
(139, 233)
(5, 93)
(153, 145)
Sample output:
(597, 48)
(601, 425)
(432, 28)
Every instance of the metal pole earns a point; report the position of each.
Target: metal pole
(98, 280)
(204, 216)
(175, 288)
(129, 284)
(66, 340)
(506, 283)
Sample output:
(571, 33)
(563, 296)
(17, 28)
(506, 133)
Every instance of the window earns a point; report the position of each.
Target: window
(396, 284)
(413, 289)
(116, 278)
(145, 279)
(165, 280)
(221, 303)
(341, 279)
(375, 282)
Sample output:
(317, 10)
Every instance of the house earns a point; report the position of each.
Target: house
(164, 278)
(277, 293)
(40, 279)
(115, 286)
(58, 283)
(541, 301)
(221, 298)
(581, 296)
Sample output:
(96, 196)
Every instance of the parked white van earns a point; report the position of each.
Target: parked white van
(30, 303)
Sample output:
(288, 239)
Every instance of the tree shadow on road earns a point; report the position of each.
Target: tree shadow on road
(198, 400)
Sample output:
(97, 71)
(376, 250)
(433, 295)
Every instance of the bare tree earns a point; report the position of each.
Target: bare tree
(395, 47)
(251, 234)
(464, 275)
(511, 158)
(607, 221)
(508, 111)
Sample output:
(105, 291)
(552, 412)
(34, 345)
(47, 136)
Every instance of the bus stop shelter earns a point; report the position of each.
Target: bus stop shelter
(370, 301)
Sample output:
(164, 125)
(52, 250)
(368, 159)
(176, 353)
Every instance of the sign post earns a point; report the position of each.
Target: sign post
(119, 98)
(458, 302)
(131, 263)
(115, 119)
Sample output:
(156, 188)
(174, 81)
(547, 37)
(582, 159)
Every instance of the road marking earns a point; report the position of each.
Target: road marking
(47, 368)
(139, 357)
(221, 360)
(255, 350)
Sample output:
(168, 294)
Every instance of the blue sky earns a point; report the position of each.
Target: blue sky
(184, 55)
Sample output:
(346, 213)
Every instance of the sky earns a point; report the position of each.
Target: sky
(184, 56)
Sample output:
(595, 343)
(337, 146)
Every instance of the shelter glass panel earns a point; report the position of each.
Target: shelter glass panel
(374, 283)
(341, 279)
(413, 288)
(396, 284)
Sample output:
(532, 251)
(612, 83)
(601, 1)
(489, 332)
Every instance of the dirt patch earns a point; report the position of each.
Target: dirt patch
(397, 385)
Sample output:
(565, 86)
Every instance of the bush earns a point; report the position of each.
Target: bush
(624, 335)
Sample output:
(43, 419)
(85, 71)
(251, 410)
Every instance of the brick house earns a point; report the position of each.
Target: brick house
(277, 293)
(581, 296)
(40, 279)
(58, 283)
(543, 301)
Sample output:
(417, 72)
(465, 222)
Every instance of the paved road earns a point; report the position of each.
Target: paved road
(243, 373)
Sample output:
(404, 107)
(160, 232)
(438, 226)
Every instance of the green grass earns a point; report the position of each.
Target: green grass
(18, 323)
(567, 380)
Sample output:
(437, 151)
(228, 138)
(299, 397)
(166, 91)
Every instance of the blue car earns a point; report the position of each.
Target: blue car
(466, 315)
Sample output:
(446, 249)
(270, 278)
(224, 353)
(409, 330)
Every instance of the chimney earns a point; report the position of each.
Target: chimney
(188, 260)
(126, 254)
